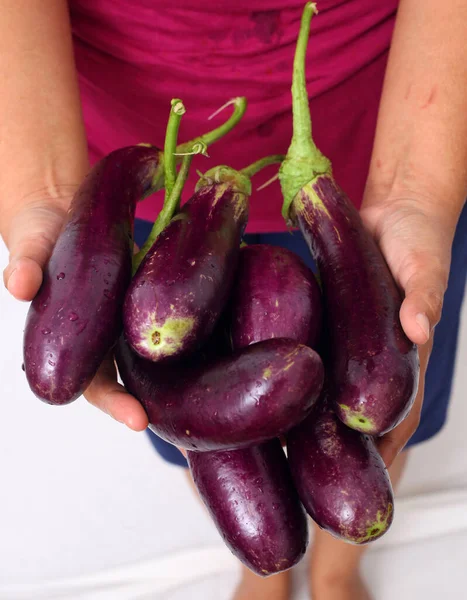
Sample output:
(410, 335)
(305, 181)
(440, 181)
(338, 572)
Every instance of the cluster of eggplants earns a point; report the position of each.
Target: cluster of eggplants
(256, 496)
(372, 369)
(227, 411)
(197, 283)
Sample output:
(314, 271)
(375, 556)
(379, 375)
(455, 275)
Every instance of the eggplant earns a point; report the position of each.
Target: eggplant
(340, 477)
(250, 496)
(75, 317)
(244, 399)
(184, 281)
(182, 284)
(275, 295)
(374, 367)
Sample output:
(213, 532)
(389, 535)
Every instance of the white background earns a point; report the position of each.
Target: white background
(88, 511)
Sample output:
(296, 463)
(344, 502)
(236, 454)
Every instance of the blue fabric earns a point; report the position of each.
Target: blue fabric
(440, 370)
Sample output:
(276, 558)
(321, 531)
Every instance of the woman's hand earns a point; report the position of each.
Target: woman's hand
(30, 234)
(415, 234)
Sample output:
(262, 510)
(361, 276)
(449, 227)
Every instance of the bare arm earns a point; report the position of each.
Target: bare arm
(421, 139)
(43, 158)
(43, 149)
(418, 176)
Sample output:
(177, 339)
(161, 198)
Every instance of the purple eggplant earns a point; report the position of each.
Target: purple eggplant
(374, 367)
(76, 316)
(275, 295)
(183, 283)
(251, 498)
(340, 477)
(247, 398)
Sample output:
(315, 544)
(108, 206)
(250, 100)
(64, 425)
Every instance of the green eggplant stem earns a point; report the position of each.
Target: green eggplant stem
(304, 161)
(261, 164)
(239, 180)
(209, 138)
(170, 207)
(183, 153)
(239, 104)
(177, 110)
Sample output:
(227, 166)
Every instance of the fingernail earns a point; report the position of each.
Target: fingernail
(424, 324)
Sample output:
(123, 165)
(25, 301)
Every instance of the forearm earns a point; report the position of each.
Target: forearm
(421, 139)
(42, 140)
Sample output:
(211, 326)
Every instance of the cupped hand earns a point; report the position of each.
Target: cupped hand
(415, 234)
(30, 235)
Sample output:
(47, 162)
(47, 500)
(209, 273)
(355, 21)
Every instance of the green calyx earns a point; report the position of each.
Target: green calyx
(304, 161)
(223, 174)
(240, 180)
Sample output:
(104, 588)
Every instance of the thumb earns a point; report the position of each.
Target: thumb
(424, 292)
(31, 236)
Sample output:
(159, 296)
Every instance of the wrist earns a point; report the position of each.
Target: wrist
(418, 189)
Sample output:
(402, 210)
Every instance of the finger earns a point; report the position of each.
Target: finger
(33, 233)
(422, 306)
(391, 444)
(109, 396)
(23, 278)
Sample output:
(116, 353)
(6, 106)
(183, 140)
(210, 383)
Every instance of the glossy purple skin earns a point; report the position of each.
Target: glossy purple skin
(241, 400)
(76, 316)
(374, 366)
(187, 274)
(340, 477)
(251, 498)
(275, 295)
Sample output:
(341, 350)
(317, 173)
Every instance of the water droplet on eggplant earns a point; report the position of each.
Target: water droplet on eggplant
(73, 316)
(61, 276)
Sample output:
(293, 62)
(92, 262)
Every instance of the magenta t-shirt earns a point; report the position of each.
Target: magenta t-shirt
(134, 56)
